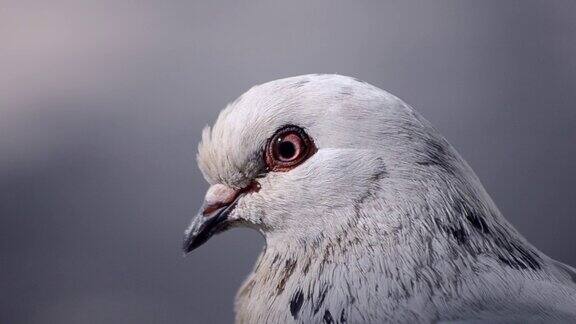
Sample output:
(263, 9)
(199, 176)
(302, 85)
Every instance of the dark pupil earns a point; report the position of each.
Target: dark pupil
(286, 150)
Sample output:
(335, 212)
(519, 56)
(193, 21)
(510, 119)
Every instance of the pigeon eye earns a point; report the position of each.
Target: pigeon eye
(289, 147)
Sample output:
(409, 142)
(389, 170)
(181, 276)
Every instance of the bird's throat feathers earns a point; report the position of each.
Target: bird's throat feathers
(428, 248)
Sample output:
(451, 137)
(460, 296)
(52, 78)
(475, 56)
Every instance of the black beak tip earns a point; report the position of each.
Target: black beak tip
(191, 242)
(204, 227)
(186, 247)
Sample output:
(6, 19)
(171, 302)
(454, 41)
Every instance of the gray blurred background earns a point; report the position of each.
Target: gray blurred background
(102, 105)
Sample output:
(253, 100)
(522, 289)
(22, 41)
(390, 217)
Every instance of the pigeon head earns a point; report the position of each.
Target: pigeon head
(369, 214)
(310, 156)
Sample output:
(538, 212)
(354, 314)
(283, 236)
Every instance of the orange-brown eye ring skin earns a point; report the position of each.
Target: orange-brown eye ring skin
(288, 148)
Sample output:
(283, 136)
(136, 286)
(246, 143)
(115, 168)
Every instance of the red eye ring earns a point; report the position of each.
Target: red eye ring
(288, 148)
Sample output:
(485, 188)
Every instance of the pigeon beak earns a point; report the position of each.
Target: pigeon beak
(212, 218)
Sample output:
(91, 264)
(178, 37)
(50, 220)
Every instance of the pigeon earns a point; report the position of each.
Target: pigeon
(368, 213)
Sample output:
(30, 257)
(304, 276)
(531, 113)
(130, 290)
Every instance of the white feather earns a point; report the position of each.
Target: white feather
(385, 223)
